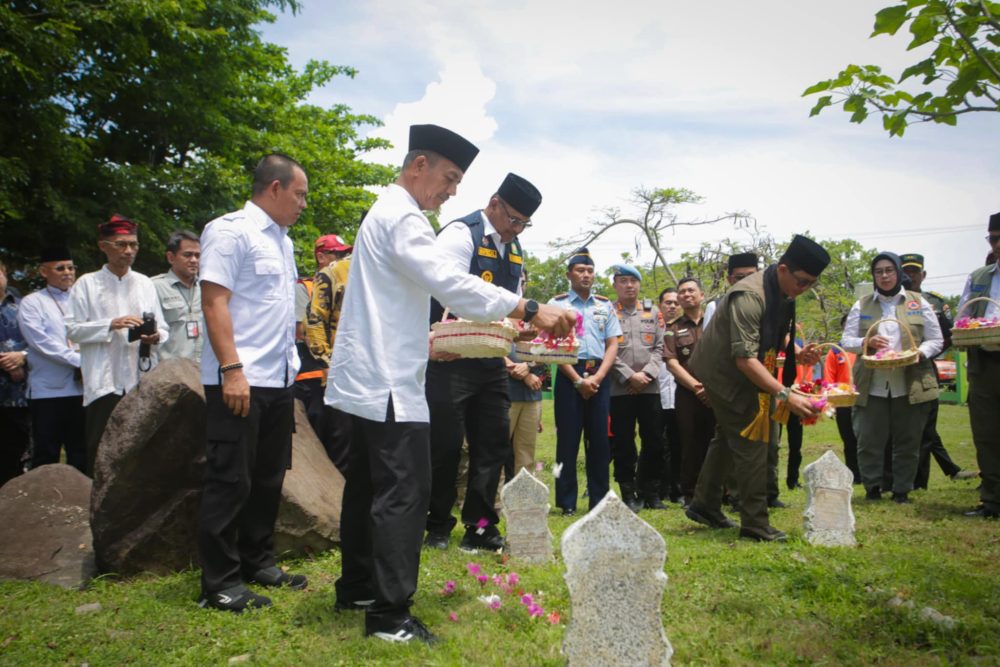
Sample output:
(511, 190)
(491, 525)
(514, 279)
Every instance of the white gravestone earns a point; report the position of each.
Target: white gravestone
(525, 502)
(614, 571)
(829, 519)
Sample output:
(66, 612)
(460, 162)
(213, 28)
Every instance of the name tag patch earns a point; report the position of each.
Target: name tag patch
(488, 252)
(514, 259)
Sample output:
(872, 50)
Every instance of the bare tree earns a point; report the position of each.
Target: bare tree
(655, 214)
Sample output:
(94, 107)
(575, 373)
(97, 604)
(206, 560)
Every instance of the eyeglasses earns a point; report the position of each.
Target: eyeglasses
(885, 272)
(514, 221)
(121, 245)
(804, 283)
(993, 239)
(62, 268)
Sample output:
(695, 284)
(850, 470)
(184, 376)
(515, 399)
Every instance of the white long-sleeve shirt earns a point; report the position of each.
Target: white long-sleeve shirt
(52, 360)
(382, 336)
(110, 364)
(892, 381)
(668, 387)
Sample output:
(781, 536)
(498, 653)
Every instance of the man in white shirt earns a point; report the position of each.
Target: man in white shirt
(55, 393)
(892, 402)
(180, 298)
(377, 375)
(106, 315)
(247, 289)
(984, 378)
(468, 398)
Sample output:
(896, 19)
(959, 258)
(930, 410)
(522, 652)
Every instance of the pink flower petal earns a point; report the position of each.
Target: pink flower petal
(527, 600)
(453, 617)
(473, 568)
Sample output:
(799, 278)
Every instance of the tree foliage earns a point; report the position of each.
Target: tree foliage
(960, 76)
(654, 214)
(159, 110)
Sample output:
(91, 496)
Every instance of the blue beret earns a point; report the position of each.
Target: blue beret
(627, 270)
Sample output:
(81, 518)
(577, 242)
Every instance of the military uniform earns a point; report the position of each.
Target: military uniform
(640, 348)
(574, 415)
(984, 384)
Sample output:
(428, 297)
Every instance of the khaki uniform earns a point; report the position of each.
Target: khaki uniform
(735, 332)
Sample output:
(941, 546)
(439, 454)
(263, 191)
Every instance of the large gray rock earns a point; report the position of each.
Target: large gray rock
(149, 473)
(614, 571)
(44, 527)
(829, 519)
(525, 502)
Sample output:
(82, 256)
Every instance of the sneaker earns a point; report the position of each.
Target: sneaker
(472, 541)
(236, 599)
(770, 534)
(569, 511)
(708, 518)
(437, 541)
(352, 605)
(407, 631)
(275, 577)
(965, 474)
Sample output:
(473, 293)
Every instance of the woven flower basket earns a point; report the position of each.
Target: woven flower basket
(566, 351)
(979, 335)
(904, 358)
(836, 400)
(473, 340)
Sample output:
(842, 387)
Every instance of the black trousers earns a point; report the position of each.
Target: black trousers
(931, 444)
(98, 412)
(625, 412)
(670, 480)
(382, 520)
(15, 435)
(246, 461)
(468, 401)
(696, 426)
(311, 392)
(335, 434)
(846, 429)
(57, 423)
(794, 431)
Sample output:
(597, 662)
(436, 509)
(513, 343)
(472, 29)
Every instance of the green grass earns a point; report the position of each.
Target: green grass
(728, 601)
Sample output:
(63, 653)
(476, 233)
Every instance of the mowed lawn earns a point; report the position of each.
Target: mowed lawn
(727, 602)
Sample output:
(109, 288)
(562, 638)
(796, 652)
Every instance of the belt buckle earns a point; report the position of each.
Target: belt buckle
(589, 365)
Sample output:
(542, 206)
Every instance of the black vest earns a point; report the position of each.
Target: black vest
(486, 261)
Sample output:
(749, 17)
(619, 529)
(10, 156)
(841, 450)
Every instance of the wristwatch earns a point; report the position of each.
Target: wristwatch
(782, 395)
(530, 309)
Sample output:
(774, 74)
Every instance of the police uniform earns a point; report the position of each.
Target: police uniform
(640, 348)
(984, 383)
(931, 443)
(695, 420)
(574, 415)
(250, 255)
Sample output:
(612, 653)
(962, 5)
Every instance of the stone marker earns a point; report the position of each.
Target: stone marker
(614, 571)
(149, 473)
(829, 519)
(525, 501)
(45, 527)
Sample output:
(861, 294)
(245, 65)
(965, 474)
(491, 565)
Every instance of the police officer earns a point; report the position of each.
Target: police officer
(695, 420)
(635, 393)
(180, 298)
(913, 267)
(736, 361)
(468, 398)
(984, 379)
(582, 397)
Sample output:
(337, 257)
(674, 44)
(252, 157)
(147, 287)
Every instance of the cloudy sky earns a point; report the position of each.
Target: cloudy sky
(589, 100)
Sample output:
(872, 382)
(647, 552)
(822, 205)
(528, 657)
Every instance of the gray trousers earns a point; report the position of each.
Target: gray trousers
(900, 424)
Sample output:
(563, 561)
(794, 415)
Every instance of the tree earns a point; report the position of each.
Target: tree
(159, 111)
(961, 75)
(655, 215)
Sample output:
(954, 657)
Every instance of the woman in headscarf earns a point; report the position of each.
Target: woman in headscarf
(893, 403)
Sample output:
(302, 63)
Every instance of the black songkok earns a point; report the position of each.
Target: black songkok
(445, 143)
(55, 254)
(741, 261)
(581, 256)
(995, 223)
(521, 195)
(806, 254)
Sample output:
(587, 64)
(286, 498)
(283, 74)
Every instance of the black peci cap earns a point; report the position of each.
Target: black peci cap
(445, 143)
(520, 194)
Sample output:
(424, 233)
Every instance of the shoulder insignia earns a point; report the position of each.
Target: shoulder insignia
(561, 296)
(601, 298)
